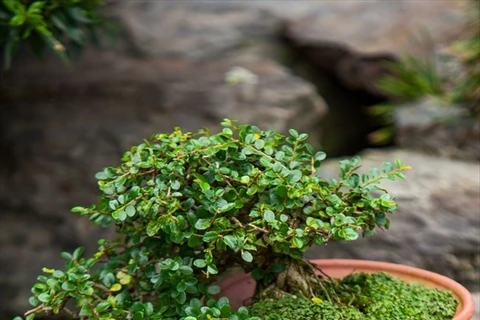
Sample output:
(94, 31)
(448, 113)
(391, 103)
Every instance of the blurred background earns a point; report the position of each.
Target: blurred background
(383, 79)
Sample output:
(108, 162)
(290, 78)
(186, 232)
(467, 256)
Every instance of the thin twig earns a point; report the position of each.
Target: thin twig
(99, 286)
(36, 309)
(250, 225)
(70, 313)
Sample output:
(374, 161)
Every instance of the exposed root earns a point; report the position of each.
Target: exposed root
(300, 277)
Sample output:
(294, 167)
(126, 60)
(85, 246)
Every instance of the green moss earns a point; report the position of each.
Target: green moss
(363, 296)
(292, 308)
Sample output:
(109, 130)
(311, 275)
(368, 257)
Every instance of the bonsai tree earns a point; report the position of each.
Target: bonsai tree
(187, 207)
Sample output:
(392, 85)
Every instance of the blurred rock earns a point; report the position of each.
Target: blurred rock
(437, 225)
(197, 30)
(351, 39)
(476, 298)
(437, 128)
(354, 39)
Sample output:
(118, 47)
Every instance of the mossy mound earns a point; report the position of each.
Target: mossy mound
(362, 296)
(291, 308)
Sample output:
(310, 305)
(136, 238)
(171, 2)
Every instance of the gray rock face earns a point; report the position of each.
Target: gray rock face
(350, 39)
(198, 30)
(379, 27)
(476, 298)
(437, 128)
(437, 225)
(354, 39)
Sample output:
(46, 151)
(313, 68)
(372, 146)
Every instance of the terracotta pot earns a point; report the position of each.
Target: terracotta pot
(241, 287)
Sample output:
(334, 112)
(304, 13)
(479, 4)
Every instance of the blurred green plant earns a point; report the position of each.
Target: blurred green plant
(411, 78)
(468, 53)
(452, 78)
(61, 25)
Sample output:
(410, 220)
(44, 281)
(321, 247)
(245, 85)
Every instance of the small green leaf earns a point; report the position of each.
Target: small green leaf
(259, 144)
(200, 178)
(303, 137)
(119, 215)
(78, 253)
(298, 242)
(58, 274)
(181, 298)
(44, 297)
(175, 185)
(194, 242)
(210, 236)
(249, 138)
(264, 161)
(387, 167)
(101, 176)
(203, 224)
(227, 131)
(68, 286)
(199, 263)
(350, 234)
(319, 156)
(281, 191)
(269, 216)
(232, 242)
(245, 179)
(213, 289)
(66, 256)
(130, 210)
(78, 209)
(85, 311)
(398, 163)
(212, 269)
(295, 176)
(204, 186)
(247, 256)
(181, 286)
(102, 306)
(293, 133)
(314, 223)
(152, 228)
(116, 287)
(226, 207)
(252, 190)
(187, 270)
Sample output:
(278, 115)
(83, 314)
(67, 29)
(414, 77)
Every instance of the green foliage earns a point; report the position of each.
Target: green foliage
(468, 92)
(61, 25)
(189, 206)
(411, 78)
(366, 297)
